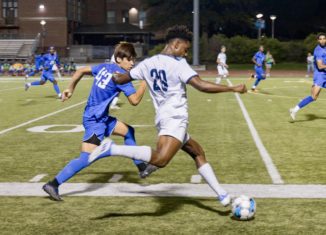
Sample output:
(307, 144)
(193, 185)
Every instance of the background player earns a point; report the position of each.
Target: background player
(319, 79)
(97, 123)
(49, 60)
(222, 67)
(170, 102)
(258, 60)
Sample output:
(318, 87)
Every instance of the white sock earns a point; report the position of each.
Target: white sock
(143, 153)
(218, 80)
(114, 101)
(296, 109)
(207, 173)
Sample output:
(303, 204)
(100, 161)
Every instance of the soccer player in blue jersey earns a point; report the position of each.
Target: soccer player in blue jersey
(97, 123)
(319, 78)
(258, 60)
(50, 60)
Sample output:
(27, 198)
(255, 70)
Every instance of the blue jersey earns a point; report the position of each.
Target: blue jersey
(38, 61)
(260, 58)
(319, 54)
(49, 60)
(104, 89)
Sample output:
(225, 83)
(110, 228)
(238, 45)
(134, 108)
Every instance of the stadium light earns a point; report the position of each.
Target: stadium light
(43, 22)
(273, 18)
(259, 15)
(259, 24)
(41, 7)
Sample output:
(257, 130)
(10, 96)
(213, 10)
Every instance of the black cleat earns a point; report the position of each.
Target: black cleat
(149, 170)
(53, 191)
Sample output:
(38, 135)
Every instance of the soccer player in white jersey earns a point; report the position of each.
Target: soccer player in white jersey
(167, 75)
(222, 67)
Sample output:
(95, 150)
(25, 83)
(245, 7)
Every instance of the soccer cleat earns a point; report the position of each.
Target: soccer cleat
(149, 170)
(53, 191)
(27, 86)
(292, 114)
(225, 199)
(103, 150)
(114, 107)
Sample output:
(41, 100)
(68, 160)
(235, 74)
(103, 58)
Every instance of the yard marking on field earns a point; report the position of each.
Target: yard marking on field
(115, 178)
(272, 170)
(40, 118)
(10, 89)
(195, 179)
(37, 178)
(165, 190)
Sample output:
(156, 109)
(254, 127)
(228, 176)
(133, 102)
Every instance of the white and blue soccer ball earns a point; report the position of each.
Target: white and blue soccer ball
(243, 208)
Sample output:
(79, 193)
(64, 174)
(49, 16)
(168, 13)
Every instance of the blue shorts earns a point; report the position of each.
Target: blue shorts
(260, 72)
(320, 80)
(101, 128)
(47, 75)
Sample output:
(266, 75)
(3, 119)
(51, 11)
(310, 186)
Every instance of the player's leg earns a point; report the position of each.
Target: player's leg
(204, 168)
(55, 83)
(35, 83)
(259, 76)
(219, 74)
(315, 90)
(128, 133)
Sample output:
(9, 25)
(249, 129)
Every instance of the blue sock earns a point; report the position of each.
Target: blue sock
(56, 88)
(36, 83)
(305, 101)
(73, 167)
(257, 82)
(130, 140)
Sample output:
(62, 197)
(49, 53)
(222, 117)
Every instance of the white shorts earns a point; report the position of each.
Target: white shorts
(176, 128)
(222, 71)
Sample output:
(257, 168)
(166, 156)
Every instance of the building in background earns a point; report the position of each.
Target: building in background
(75, 27)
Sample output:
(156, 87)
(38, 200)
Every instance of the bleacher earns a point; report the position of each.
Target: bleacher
(16, 48)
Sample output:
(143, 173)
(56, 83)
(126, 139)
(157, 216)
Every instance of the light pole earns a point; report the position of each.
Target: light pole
(43, 23)
(259, 23)
(273, 18)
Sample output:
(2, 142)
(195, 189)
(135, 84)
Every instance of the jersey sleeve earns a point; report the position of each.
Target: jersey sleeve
(137, 73)
(127, 89)
(186, 72)
(318, 54)
(96, 69)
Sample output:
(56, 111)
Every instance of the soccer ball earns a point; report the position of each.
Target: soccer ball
(243, 208)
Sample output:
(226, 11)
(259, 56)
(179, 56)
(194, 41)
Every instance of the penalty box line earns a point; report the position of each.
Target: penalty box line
(271, 168)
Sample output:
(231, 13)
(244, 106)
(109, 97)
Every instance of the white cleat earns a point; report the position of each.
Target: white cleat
(225, 199)
(292, 114)
(27, 86)
(104, 150)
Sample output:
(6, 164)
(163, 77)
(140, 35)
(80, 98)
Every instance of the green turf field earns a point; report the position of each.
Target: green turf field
(216, 122)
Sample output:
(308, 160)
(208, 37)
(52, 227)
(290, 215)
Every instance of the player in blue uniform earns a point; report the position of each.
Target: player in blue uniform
(258, 60)
(49, 60)
(97, 123)
(319, 79)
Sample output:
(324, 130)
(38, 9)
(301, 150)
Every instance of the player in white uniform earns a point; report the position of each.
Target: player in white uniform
(166, 75)
(222, 67)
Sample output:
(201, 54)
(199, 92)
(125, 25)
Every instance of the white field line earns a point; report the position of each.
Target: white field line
(195, 179)
(115, 178)
(37, 178)
(40, 118)
(272, 170)
(166, 190)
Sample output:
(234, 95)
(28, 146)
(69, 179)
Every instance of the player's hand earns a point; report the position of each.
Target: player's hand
(241, 88)
(66, 94)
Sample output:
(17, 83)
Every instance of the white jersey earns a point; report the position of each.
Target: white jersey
(222, 57)
(166, 77)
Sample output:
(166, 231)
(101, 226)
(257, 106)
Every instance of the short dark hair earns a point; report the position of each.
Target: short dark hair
(178, 31)
(124, 50)
(320, 34)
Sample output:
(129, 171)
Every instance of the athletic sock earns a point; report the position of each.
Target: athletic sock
(305, 101)
(56, 88)
(207, 173)
(36, 83)
(143, 153)
(129, 139)
(72, 168)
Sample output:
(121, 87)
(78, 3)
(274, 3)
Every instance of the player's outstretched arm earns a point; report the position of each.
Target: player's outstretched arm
(209, 87)
(135, 98)
(67, 93)
(121, 78)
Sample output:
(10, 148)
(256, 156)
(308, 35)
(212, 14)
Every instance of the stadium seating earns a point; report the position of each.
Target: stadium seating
(16, 48)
